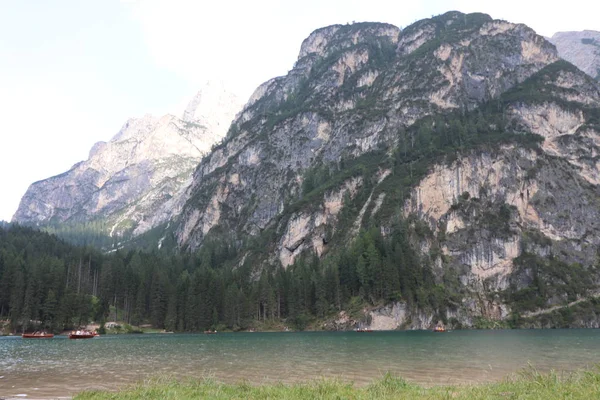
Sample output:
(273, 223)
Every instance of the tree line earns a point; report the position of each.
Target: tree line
(46, 283)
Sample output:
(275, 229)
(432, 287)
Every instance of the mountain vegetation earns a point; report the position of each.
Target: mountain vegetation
(47, 283)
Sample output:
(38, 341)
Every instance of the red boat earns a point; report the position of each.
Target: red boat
(37, 335)
(82, 335)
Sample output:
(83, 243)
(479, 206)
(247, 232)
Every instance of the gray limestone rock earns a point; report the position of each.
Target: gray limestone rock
(137, 180)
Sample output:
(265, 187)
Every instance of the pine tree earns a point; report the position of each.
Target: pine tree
(50, 310)
(171, 315)
(140, 305)
(158, 302)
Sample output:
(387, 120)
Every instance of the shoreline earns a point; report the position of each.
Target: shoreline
(528, 383)
(582, 384)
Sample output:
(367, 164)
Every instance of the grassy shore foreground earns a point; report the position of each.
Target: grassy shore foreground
(527, 385)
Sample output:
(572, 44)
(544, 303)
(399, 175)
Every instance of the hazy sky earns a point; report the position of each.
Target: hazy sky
(72, 72)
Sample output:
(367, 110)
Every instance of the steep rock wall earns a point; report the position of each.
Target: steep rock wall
(352, 89)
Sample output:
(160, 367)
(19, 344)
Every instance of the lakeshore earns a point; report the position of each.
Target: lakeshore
(528, 384)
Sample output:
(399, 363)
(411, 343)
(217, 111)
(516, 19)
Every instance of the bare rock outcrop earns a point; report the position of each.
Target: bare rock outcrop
(137, 180)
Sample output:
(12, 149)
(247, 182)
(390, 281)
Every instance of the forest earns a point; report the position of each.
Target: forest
(46, 283)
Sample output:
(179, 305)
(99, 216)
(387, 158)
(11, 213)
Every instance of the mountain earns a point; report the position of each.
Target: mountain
(447, 172)
(580, 48)
(354, 90)
(136, 180)
(461, 143)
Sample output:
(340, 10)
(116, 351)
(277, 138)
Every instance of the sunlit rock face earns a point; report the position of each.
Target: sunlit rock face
(136, 180)
(338, 71)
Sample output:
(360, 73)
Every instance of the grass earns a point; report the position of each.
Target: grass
(529, 385)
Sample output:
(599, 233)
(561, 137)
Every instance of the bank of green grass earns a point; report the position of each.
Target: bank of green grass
(527, 385)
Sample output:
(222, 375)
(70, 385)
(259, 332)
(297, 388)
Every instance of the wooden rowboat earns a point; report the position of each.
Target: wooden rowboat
(37, 335)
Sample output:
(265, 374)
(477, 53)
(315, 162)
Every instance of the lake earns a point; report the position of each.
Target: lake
(61, 367)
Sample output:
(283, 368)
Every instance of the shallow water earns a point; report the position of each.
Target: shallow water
(60, 367)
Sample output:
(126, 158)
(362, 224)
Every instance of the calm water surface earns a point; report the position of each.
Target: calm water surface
(61, 367)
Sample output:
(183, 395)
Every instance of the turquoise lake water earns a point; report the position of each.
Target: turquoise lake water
(58, 367)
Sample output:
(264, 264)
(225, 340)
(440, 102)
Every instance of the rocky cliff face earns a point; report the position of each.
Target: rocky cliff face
(137, 180)
(580, 48)
(469, 125)
(351, 90)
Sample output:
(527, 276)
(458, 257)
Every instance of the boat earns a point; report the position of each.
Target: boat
(37, 335)
(439, 329)
(210, 332)
(361, 330)
(82, 335)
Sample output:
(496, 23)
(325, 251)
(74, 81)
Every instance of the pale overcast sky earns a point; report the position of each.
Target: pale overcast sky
(72, 71)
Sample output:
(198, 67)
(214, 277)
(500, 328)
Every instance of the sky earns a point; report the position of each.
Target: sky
(72, 72)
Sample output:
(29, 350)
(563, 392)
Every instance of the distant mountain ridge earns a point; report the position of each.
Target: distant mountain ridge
(136, 180)
(581, 48)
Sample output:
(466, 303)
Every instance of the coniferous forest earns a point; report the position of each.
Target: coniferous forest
(46, 283)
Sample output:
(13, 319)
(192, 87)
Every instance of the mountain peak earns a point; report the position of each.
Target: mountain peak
(211, 106)
(327, 40)
(127, 182)
(352, 91)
